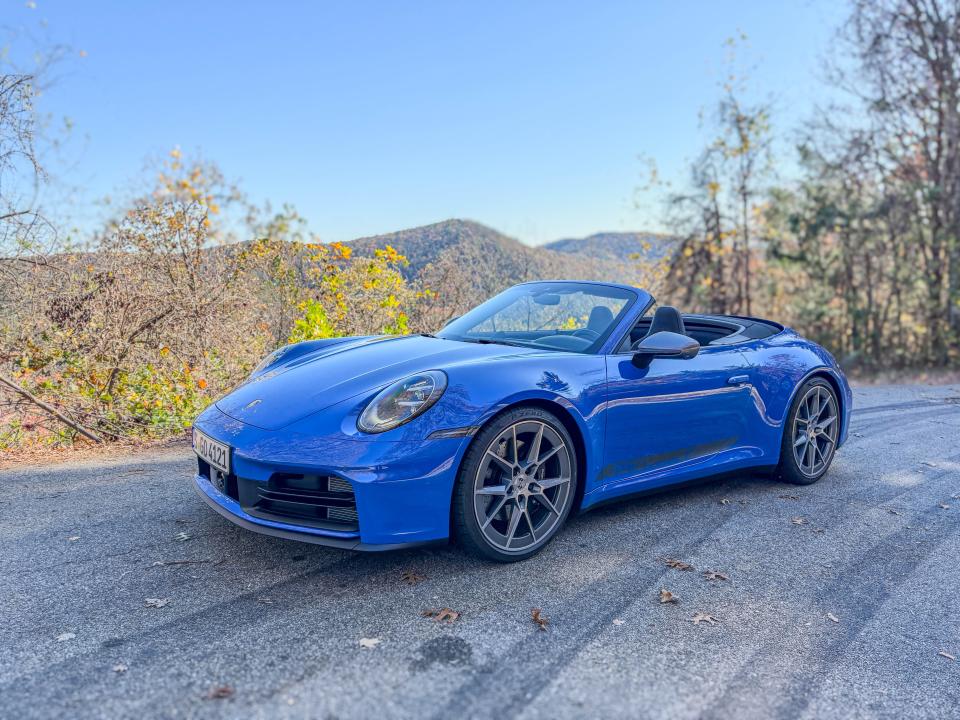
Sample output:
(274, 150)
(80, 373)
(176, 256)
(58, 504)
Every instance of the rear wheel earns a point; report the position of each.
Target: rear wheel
(516, 485)
(810, 433)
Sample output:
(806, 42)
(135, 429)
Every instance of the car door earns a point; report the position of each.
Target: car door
(674, 413)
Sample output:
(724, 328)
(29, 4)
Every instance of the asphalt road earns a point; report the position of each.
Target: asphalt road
(842, 614)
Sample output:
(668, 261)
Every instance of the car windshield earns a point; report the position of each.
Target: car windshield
(569, 316)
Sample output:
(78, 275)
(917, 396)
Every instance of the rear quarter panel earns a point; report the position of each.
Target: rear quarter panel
(780, 364)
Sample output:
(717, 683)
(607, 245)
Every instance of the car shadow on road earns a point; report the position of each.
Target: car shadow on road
(592, 530)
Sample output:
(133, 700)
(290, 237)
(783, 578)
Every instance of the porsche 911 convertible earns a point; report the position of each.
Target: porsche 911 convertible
(546, 400)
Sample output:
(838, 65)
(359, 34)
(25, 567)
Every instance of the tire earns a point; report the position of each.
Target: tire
(805, 453)
(506, 505)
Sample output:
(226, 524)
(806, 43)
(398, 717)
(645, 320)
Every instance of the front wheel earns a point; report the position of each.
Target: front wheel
(516, 485)
(810, 433)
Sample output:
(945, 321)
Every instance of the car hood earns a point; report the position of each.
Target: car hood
(310, 383)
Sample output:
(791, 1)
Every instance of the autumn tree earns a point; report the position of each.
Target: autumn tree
(27, 69)
(906, 76)
(718, 213)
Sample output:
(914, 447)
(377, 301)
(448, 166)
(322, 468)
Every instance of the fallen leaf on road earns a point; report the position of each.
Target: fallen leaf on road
(789, 497)
(948, 656)
(156, 602)
(369, 643)
(704, 617)
(676, 564)
(442, 615)
(798, 520)
(73, 539)
(714, 575)
(220, 692)
(817, 530)
(834, 618)
(181, 537)
(539, 619)
(667, 597)
(928, 464)
(618, 621)
(894, 512)
(724, 501)
(63, 637)
(412, 578)
(120, 668)
(944, 506)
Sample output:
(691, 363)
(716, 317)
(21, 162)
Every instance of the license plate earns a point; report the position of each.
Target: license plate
(215, 453)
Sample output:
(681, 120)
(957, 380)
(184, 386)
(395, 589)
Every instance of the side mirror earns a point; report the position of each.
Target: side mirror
(664, 345)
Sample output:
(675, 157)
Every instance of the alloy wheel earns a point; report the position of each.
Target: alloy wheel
(522, 486)
(815, 429)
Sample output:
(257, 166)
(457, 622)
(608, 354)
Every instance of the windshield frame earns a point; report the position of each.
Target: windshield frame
(503, 299)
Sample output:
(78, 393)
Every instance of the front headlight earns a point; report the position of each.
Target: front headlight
(402, 401)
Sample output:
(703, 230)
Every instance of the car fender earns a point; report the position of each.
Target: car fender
(574, 383)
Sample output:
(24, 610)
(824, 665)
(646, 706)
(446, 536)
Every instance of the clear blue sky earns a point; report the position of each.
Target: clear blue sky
(375, 116)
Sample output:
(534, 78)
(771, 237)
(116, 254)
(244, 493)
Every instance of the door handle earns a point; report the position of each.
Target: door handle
(738, 380)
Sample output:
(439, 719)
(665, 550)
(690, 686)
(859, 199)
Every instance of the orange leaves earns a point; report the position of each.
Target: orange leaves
(341, 250)
(537, 616)
(390, 255)
(446, 615)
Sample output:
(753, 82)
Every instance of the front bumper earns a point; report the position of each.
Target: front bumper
(231, 510)
(402, 489)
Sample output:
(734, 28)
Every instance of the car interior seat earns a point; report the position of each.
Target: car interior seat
(600, 319)
(667, 319)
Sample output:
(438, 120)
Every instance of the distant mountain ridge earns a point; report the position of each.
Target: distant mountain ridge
(615, 245)
(495, 260)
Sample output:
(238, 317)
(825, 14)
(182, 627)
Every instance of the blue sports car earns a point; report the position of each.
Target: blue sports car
(543, 401)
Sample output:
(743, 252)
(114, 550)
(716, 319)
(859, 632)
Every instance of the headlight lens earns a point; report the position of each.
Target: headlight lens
(402, 401)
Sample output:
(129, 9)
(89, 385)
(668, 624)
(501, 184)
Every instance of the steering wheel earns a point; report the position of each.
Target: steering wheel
(586, 333)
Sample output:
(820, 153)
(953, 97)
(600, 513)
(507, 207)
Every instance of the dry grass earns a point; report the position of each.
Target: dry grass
(80, 450)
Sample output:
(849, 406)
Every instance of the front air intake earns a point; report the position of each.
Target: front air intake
(320, 501)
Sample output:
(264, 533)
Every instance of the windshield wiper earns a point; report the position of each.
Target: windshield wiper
(427, 335)
(490, 341)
